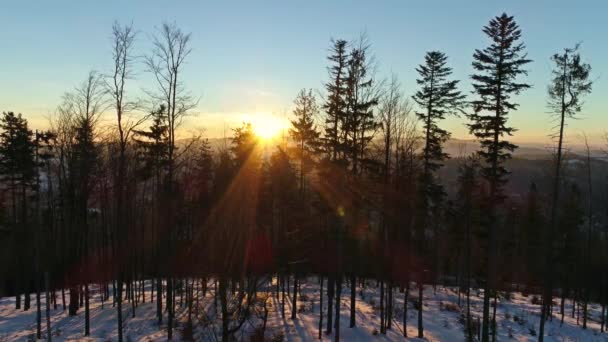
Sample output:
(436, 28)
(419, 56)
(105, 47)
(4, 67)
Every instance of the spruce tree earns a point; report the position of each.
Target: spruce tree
(495, 82)
(335, 106)
(17, 168)
(152, 147)
(437, 97)
(303, 130)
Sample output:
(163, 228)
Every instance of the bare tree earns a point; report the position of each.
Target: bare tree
(569, 85)
(165, 63)
(123, 39)
(79, 114)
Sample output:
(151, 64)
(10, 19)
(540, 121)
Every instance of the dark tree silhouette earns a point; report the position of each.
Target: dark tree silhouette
(497, 67)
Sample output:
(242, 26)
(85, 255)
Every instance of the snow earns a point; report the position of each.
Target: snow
(516, 318)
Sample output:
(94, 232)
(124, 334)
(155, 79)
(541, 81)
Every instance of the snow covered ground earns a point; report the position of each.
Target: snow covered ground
(517, 319)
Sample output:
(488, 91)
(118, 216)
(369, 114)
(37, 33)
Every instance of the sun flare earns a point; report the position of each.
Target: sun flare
(267, 126)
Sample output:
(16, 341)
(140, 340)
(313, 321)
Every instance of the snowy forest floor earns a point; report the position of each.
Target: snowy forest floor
(517, 318)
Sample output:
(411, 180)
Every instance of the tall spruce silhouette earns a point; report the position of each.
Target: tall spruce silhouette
(436, 97)
(495, 82)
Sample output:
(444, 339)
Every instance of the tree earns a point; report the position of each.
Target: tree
(17, 167)
(335, 105)
(303, 130)
(497, 67)
(165, 62)
(569, 85)
(86, 103)
(123, 38)
(152, 148)
(306, 137)
(437, 97)
(398, 131)
(467, 207)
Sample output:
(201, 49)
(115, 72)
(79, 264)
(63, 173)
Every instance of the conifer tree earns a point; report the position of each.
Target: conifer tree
(17, 168)
(303, 130)
(152, 147)
(437, 97)
(495, 82)
(335, 106)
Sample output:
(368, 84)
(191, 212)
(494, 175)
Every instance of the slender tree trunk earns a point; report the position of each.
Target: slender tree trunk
(337, 320)
(170, 307)
(330, 302)
(159, 300)
(353, 300)
(38, 309)
(389, 306)
(224, 304)
(119, 307)
(294, 300)
(48, 307)
(382, 325)
(87, 324)
(63, 298)
(405, 299)
(562, 304)
(494, 316)
(321, 309)
(420, 297)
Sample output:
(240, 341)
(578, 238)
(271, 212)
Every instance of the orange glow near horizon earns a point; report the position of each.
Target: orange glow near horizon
(266, 126)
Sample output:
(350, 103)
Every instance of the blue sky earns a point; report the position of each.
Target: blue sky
(253, 56)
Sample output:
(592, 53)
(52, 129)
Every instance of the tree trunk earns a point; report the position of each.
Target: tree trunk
(48, 307)
(353, 299)
(119, 307)
(170, 307)
(294, 300)
(159, 300)
(330, 304)
(321, 309)
(337, 318)
(420, 297)
(382, 325)
(73, 307)
(87, 324)
(405, 299)
(38, 310)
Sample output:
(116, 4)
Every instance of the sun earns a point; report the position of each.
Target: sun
(267, 126)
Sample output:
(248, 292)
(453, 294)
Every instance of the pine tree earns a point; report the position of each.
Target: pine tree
(497, 67)
(437, 98)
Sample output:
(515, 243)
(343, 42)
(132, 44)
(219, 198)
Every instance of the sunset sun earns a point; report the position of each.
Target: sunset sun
(267, 126)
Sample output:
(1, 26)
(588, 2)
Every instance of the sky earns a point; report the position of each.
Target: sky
(250, 58)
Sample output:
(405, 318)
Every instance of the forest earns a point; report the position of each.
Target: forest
(116, 203)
